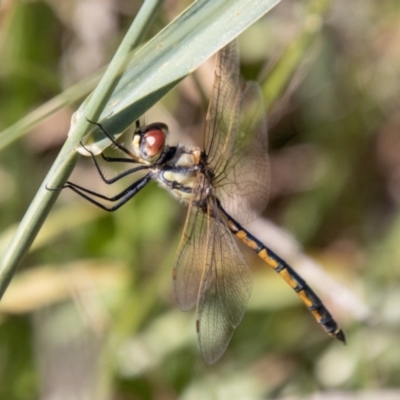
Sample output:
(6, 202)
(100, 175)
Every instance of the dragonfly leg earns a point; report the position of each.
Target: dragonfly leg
(118, 159)
(108, 159)
(113, 141)
(120, 199)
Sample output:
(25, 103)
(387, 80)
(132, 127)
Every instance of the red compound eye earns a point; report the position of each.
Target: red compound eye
(153, 142)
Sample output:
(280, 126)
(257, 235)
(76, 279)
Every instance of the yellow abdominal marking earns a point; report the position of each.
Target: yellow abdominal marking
(270, 261)
(286, 276)
(318, 317)
(242, 235)
(303, 295)
(284, 273)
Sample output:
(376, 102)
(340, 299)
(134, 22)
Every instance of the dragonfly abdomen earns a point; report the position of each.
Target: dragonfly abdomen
(296, 282)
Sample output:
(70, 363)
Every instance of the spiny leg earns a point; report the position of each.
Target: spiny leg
(118, 159)
(113, 141)
(110, 159)
(120, 198)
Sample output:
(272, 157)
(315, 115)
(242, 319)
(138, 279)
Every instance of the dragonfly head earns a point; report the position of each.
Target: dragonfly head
(149, 141)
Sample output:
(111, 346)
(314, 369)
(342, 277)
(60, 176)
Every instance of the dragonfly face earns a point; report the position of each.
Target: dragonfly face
(148, 143)
(225, 184)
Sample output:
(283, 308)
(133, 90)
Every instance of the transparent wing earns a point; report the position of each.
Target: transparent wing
(211, 272)
(236, 140)
(191, 259)
(227, 289)
(223, 111)
(242, 185)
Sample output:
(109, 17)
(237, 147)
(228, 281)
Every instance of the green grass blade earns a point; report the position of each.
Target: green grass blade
(66, 160)
(176, 51)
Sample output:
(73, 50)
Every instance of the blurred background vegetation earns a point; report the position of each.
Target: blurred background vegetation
(91, 313)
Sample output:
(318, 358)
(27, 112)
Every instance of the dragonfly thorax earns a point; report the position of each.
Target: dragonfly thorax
(183, 175)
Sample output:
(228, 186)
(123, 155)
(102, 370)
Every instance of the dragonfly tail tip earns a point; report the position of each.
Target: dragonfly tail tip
(340, 335)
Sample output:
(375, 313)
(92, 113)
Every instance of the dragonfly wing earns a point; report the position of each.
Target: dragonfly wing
(236, 140)
(191, 259)
(243, 184)
(223, 110)
(224, 292)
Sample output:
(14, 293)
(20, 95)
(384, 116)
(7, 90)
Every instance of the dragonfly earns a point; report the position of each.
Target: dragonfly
(225, 185)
